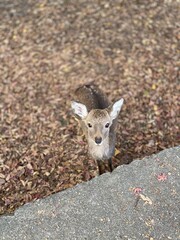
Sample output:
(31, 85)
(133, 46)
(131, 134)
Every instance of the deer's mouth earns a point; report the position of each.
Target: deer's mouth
(98, 144)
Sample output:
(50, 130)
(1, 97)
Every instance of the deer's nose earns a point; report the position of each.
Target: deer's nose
(98, 140)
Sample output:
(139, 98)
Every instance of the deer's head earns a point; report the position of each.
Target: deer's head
(97, 121)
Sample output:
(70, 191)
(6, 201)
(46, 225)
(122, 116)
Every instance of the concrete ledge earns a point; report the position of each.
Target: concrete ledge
(107, 206)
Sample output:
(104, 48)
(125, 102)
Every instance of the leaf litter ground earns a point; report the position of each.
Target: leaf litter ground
(129, 48)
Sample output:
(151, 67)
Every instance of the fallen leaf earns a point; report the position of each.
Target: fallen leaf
(154, 87)
(162, 177)
(145, 199)
(137, 190)
(116, 152)
(2, 175)
(2, 181)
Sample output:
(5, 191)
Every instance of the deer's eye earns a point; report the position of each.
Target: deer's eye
(107, 125)
(89, 125)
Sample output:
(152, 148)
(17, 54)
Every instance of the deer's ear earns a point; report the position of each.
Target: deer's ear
(116, 108)
(79, 109)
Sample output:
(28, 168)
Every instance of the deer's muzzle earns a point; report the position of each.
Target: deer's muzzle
(98, 140)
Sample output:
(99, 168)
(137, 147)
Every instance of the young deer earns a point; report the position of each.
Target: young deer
(98, 120)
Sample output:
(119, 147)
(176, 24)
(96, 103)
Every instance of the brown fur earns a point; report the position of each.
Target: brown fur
(91, 96)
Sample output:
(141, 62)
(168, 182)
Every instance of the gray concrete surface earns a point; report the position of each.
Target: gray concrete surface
(107, 207)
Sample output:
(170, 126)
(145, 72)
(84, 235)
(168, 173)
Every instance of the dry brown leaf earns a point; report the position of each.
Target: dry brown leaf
(145, 199)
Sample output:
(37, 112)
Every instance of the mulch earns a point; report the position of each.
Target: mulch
(129, 48)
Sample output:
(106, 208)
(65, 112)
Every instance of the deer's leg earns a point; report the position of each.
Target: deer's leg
(100, 166)
(110, 164)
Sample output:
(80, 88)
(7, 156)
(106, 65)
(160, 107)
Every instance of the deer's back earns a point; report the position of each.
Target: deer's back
(91, 96)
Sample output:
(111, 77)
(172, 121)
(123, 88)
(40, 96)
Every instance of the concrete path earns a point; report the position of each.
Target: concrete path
(137, 201)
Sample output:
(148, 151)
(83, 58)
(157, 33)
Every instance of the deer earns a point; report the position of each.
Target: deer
(98, 120)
